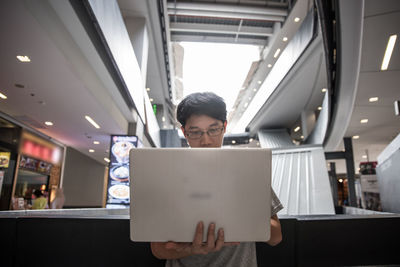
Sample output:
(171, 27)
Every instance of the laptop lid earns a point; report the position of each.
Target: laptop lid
(172, 189)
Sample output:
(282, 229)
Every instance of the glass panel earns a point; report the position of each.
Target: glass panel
(28, 182)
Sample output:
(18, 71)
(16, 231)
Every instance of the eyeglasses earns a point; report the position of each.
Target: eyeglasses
(210, 132)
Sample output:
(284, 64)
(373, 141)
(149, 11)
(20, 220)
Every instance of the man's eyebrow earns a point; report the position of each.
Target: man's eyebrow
(211, 125)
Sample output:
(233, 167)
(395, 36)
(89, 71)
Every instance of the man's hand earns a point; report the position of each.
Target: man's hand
(174, 250)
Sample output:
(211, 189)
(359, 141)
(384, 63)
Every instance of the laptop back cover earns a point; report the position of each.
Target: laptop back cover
(172, 189)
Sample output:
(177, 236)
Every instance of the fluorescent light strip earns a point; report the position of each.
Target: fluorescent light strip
(296, 129)
(277, 52)
(92, 122)
(3, 96)
(373, 99)
(388, 52)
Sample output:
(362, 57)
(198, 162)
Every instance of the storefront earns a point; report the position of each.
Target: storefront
(9, 140)
(27, 163)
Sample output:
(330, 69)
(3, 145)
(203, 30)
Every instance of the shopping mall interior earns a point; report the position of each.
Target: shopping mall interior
(315, 82)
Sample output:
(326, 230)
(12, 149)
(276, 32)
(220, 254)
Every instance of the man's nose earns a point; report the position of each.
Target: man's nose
(205, 140)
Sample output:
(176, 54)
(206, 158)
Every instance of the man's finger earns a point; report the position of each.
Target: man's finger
(198, 236)
(211, 237)
(220, 240)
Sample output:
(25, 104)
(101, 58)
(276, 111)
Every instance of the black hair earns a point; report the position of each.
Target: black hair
(38, 193)
(206, 103)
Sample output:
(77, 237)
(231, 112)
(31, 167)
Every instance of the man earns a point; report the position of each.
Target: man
(203, 120)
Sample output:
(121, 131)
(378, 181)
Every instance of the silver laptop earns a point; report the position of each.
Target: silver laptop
(172, 189)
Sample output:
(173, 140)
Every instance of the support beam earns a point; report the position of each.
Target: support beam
(333, 178)
(228, 8)
(231, 15)
(334, 155)
(348, 147)
(176, 37)
(222, 29)
(348, 156)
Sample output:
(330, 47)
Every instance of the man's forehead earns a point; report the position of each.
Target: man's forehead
(202, 121)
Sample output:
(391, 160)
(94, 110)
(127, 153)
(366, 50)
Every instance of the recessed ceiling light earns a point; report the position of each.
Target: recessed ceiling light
(364, 120)
(388, 52)
(302, 137)
(246, 104)
(269, 66)
(373, 99)
(319, 108)
(356, 137)
(163, 118)
(324, 90)
(250, 140)
(296, 19)
(48, 123)
(285, 39)
(296, 129)
(340, 180)
(277, 52)
(233, 142)
(151, 99)
(106, 160)
(96, 142)
(147, 89)
(259, 82)
(255, 89)
(3, 96)
(23, 58)
(89, 119)
(91, 150)
(364, 156)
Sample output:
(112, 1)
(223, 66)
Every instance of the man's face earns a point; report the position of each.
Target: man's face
(196, 129)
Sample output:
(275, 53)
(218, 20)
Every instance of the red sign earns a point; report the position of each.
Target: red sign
(36, 150)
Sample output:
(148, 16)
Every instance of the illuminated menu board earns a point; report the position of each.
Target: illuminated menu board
(118, 175)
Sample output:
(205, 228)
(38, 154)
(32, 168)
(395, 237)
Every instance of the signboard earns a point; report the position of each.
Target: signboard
(39, 151)
(118, 175)
(35, 165)
(4, 159)
(369, 186)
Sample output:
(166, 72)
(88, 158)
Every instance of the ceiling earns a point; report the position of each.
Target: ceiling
(225, 21)
(381, 19)
(58, 85)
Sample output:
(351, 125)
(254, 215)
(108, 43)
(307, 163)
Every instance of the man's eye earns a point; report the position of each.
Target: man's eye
(196, 133)
(213, 130)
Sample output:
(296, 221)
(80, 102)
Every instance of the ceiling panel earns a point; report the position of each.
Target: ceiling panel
(377, 30)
